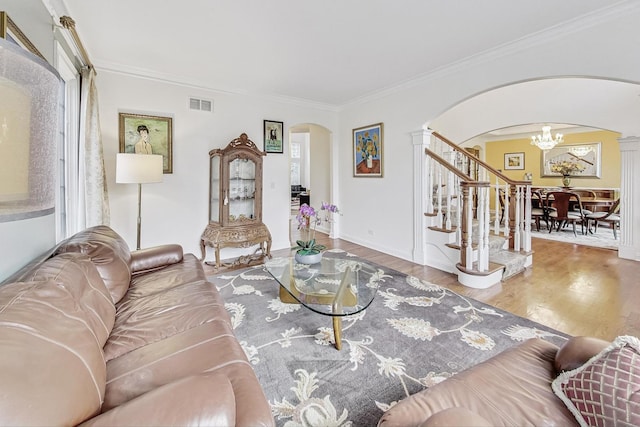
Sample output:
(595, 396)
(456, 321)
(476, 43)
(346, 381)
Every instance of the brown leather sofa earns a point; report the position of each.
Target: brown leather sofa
(94, 334)
(512, 388)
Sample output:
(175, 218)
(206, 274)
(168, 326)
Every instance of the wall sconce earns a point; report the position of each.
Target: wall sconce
(138, 169)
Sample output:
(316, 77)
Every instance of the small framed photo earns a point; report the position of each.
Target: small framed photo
(513, 161)
(145, 134)
(273, 139)
(367, 151)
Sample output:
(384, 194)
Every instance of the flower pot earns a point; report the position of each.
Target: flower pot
(566, 180)
(308, 259)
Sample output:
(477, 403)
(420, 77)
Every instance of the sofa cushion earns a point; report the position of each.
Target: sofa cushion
(52, 369)
(184, 402)
(606, 389)
(142, 321)
(78, 275)
(211, 347)
(108, 251)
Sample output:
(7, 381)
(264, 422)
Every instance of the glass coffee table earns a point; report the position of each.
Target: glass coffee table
(334, 287)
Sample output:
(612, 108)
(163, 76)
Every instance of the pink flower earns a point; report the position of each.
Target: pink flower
(308, 219)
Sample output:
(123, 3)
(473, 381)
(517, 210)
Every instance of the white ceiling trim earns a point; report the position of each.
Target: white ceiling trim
(580, 23)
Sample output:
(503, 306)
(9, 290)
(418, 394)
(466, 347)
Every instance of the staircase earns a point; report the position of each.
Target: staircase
(463, 236)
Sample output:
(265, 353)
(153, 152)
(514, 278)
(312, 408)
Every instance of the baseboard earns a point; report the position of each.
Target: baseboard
(376, 246)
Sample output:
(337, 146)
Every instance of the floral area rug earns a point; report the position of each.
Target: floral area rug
(413, 335)
(603, 238)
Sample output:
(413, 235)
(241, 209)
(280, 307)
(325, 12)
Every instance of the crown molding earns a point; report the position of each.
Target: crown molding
(182, 81)
(589, 20)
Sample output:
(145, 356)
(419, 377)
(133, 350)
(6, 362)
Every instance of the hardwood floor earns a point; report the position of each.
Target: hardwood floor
(579, 290)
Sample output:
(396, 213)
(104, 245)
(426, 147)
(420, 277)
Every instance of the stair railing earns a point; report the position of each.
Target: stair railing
(456, 199)
(514, 224)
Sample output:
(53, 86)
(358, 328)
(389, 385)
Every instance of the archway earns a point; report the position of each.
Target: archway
(316, 173)
(597, 103)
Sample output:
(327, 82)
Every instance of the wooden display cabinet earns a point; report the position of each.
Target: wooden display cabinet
(235, 203)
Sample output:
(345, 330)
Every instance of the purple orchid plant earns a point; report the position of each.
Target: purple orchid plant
(308, 219)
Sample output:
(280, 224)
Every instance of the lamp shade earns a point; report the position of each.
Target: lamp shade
(138, 168)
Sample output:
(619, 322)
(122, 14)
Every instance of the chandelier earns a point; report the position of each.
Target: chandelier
(544, 141)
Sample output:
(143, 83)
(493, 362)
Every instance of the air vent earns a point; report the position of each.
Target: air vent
(201, 104)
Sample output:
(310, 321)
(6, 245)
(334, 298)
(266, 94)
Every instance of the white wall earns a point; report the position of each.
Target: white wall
(380, 210)
(175, 211)
(377, 212)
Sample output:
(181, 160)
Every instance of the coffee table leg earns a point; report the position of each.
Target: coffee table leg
(336, 307)
(337, 331)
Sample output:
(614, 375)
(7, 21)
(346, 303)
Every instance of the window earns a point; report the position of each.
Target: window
(295, 163)
(68, 146)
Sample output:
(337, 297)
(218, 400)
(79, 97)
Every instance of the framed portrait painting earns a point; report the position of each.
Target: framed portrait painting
(367, 151)
(513, 161)
(273, 139)
(145, 134)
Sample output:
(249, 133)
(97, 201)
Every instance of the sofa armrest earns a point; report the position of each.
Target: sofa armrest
(149, 259)
(455, 417)
(577, 351)
(205, 400)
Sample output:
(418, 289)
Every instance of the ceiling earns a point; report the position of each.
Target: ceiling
(331, 52)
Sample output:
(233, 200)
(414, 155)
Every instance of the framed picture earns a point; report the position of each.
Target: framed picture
(367, 151)
(587, 156)
(273, 136)
(10, 31)
(144, 134)
(514, 161)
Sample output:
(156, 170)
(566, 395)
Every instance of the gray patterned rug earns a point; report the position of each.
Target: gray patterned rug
(414, 334)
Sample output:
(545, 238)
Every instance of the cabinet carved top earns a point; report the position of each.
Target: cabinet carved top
(241, 142)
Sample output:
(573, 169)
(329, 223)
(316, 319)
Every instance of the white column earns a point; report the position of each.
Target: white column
(420, 139)
(629, 198)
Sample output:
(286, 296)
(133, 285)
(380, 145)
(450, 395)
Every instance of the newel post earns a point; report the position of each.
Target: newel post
(513, 224)
(466, 247)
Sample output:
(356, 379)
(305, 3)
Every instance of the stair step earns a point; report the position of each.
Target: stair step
(443, 230)
(513, 262)
(493, 267)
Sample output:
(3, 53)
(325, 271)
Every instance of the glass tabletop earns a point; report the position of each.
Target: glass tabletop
(333, 287)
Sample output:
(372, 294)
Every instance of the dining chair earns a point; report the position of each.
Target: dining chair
(612, 216)
(502, 202)
(584, 195)
(539, 209)
(562, 213)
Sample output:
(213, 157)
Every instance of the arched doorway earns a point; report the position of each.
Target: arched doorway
(597, 103)
(311, 167)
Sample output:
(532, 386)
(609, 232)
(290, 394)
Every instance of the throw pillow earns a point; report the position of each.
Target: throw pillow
(606, 390)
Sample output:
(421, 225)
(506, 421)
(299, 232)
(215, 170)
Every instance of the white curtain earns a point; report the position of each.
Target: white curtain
(93, 197)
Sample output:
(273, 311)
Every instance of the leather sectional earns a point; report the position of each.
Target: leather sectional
(513, 388)
(94, 334)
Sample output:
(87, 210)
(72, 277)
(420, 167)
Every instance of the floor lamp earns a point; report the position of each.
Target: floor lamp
(138, 169)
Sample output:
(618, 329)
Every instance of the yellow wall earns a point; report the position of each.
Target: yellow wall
(609, 171)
